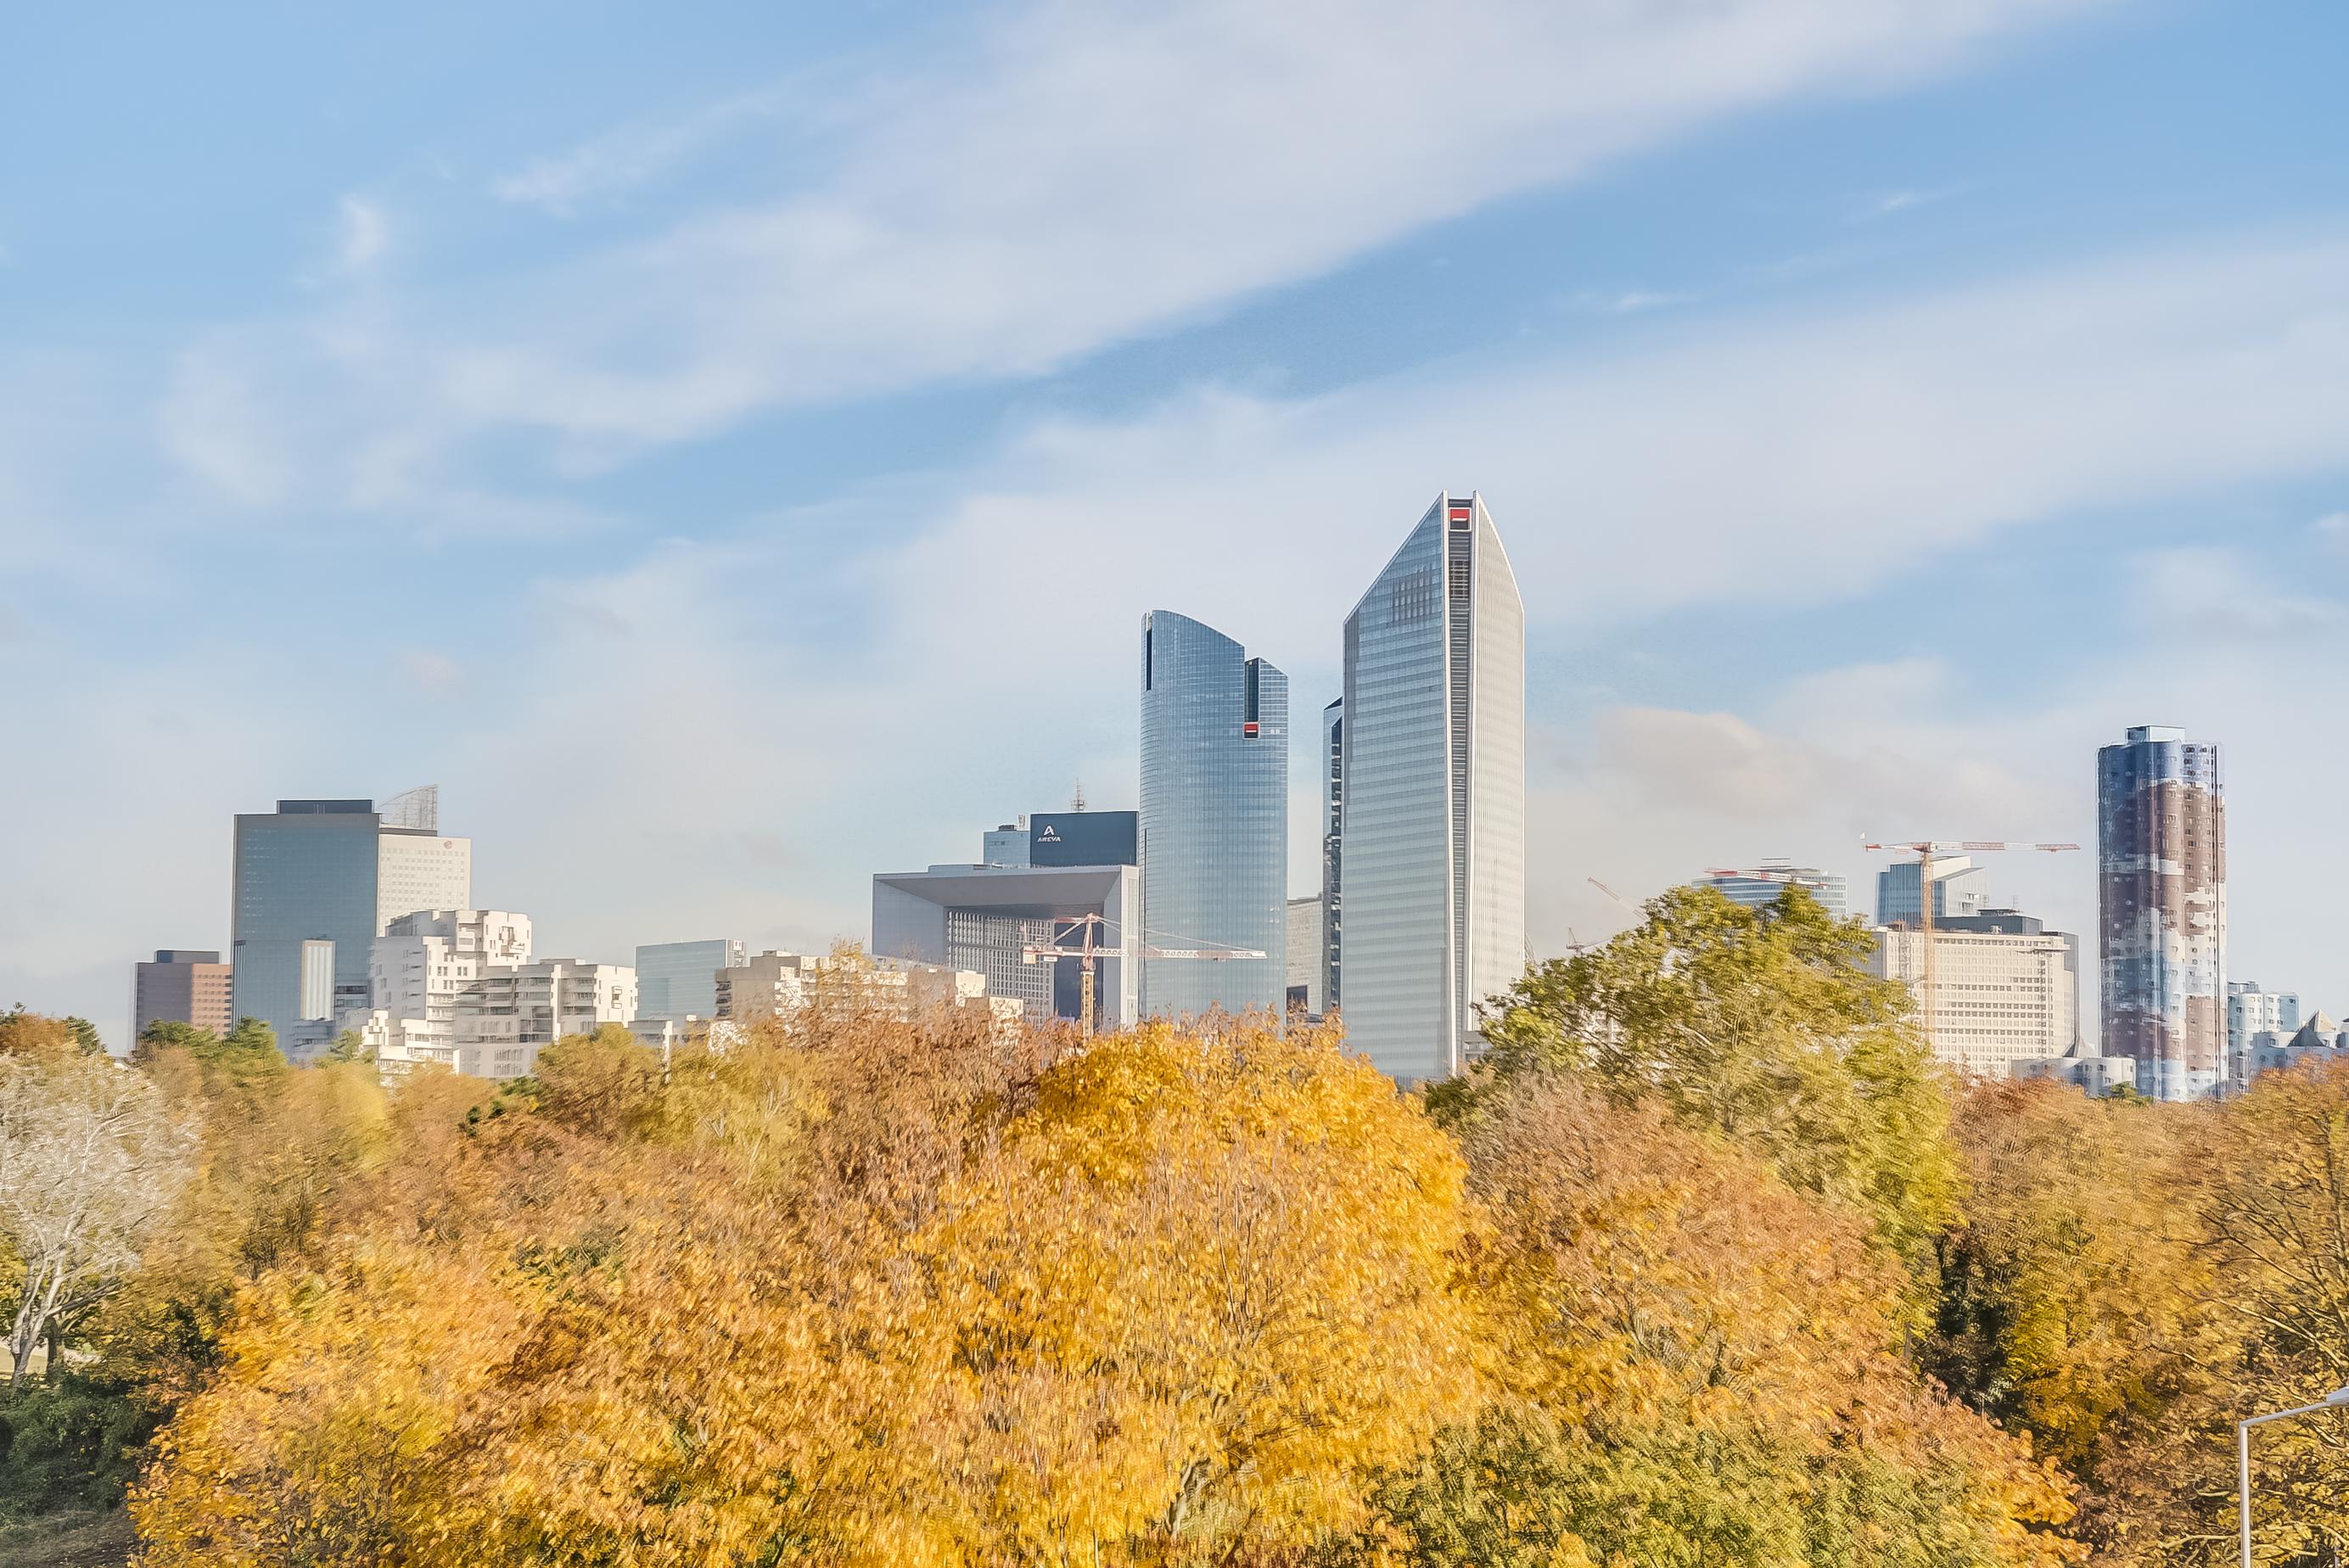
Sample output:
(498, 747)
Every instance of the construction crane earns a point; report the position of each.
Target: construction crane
(1059, 946)
(1610, 892)
(1928, 850)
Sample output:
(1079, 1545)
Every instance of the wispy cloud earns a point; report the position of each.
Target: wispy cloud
(1073, 175)
(1887, 203)
(362, 235)
(617, 161)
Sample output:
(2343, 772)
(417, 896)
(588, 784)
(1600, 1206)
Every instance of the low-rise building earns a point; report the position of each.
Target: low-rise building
(508, 1014)
(782, 985)
(1757, 886)
(416, 972)
(2096, 1075)
(2005, 989)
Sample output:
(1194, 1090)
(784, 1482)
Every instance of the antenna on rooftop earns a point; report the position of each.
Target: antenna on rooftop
(419, 808)
(1078, 804)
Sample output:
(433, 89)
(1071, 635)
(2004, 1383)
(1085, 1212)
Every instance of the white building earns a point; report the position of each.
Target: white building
(509, 1012)
(418, 967)
(2253, 1011)
(2001, 997)
(1432, 823)
(2098, 1075)
(780, 985)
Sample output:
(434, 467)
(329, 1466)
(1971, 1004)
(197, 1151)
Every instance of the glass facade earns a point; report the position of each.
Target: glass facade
(676, 980)
(1960, 888)
(1433, 815)
(1333, 858)
(306, 873)
(1213, 820)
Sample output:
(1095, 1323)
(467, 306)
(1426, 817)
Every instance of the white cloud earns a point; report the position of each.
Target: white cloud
(1070, 175)
(363, 234)
(2332, 529)
(620, 160)
(2197, 594)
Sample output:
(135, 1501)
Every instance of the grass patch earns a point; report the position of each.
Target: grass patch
(75, 1540)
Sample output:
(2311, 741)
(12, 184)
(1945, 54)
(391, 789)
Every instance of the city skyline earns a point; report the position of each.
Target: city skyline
(501, 444)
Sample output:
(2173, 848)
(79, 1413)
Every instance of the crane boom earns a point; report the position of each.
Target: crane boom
(1089, 924)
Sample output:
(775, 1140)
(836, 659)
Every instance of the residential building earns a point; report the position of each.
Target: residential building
(420, 966)
(1334, 858)
(2005, 989)
(512, 1012)
(2161, 832)
(782, 985)
(1959, 888)
(1762, 884)
(985, 919)
(183, 985)
(1213, 820)
(679, 979)
(1308, 958)
(315, 882)
(2083, 1069)
(2319, 1039)
(2252, 1011)
(1434, 819)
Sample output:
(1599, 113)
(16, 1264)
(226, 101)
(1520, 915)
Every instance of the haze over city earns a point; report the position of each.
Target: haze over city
(734, 461)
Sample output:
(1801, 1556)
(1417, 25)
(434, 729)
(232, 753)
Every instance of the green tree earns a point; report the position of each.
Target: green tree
(1759, 1025)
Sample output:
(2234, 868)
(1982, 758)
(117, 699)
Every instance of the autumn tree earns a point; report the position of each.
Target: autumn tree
(91, 1157)
(1699, 1366)
(1760, 1026)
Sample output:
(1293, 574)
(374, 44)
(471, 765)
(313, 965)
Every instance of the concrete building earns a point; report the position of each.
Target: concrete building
(183, 985)
(419, 967)
(1308, 958)
(509, 1013)
(1959, 888)
(2252, 1010)
(2083, 1069)
(1433, 826)
(1214, 818)
(314, 884)
(1759, 885)
(2161, 835)
(679, 979)
(782, 985)
(981, 918)
(1333, 856)
(2005, 989)
(2318, 1039)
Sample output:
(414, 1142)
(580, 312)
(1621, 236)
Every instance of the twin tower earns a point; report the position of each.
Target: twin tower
(1424, 859)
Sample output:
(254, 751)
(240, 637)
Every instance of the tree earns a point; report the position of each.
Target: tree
(1699, 1366)
(1759, 1025)
(91, 1156)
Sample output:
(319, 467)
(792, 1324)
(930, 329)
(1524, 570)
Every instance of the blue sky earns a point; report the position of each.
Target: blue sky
(730, 450)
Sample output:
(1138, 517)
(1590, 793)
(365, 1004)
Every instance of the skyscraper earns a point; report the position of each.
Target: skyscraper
(180, 986)
(1214, 818)
(315, 882)
(2162, 832)
(1759, 885)
(1333, 858)
(1434, 820)
(1959, 888)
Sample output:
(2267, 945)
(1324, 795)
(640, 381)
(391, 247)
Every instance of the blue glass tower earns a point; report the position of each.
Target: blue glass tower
(1214, 820)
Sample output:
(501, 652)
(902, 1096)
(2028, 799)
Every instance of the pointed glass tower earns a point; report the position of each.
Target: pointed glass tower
(1434, 816)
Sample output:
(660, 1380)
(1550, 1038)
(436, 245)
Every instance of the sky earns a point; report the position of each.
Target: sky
(729, 448)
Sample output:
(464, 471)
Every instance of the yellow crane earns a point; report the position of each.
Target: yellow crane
(1928, 852)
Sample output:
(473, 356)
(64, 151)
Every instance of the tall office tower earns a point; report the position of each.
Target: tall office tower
(2161, 862)
(1959, 888)
(1333, 846)
(1214, 820)
(2005, 989)
(1762, 884)
(1434, 814)
(2251, 1010)
(183, 985)
(315, 882)
(679, 980)
(1307, 956)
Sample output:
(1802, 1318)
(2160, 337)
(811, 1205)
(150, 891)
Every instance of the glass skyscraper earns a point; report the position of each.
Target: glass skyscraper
(1434, 815)
(2161, 852)
(677, 980)
(1214, 820)
(1333, 858)
(315, 883)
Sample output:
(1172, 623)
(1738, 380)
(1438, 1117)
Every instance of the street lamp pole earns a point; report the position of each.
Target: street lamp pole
(2332, 1401)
